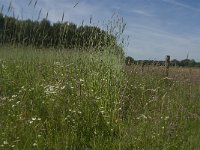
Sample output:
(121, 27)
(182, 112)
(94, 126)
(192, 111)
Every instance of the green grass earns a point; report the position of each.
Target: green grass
(51, 99)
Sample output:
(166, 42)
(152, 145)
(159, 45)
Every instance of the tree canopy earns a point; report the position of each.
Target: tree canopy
(58, 35)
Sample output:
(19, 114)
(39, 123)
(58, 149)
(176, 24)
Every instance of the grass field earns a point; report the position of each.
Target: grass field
(51, 99)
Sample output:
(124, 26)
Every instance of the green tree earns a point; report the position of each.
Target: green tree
(129, 60)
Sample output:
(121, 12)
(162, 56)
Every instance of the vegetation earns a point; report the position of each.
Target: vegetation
(58, 100)
(79, 100)
(129, 60)
(43, 34)
(62, 92)
(174, 62)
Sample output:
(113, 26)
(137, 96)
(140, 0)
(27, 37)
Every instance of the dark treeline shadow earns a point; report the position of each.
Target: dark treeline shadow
(44, 34)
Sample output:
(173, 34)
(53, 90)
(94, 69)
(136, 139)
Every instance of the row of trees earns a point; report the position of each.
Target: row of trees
(183, 63)
(60, 34)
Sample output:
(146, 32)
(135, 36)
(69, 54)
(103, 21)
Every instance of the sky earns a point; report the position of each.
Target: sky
(156, 28)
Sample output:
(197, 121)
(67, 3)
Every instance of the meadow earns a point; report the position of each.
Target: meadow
(55, 99)
(66, 87)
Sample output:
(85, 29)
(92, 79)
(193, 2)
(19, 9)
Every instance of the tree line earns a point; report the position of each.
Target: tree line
(182, 63)
(58, 35)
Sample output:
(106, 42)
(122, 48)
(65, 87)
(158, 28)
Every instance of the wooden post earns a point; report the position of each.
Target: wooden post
(142, 66)
(167, 63)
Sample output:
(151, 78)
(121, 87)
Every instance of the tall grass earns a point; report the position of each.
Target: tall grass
(79, 100)
(160, 113)
(58, 99)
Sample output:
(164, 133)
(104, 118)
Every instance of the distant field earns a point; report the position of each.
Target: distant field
(52, 99)
(176, 73)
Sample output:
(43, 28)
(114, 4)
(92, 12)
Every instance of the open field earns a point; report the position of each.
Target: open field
(175, 73)
(90, 100)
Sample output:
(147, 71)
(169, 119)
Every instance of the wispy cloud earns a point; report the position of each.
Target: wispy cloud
(173, 2)
(141, 12)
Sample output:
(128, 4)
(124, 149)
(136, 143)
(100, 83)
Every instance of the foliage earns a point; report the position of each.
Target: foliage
(59, 100)
(174, 62)
(58, 35)
(87, 100)
(129, 60)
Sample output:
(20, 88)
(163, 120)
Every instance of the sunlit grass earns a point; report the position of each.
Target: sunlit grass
(79, 100)
(58, 100)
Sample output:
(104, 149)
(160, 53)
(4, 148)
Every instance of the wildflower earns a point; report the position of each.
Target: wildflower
(81, 80)
(57, 63)
(33, 118)
(167, 78)
(34, 144)
(13, 146)
(49, 89)
(5, 142)
(167, 117)
(95, 132)
(30, 121)
(39, 135)
(142, 116)
(102, 112)
(63, 87)
(13, 96)
(79, 112)
(31, 89)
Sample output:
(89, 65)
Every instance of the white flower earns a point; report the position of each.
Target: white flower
(63, 87)
(142, 116)
(79, 112)
(13, 96)
(33, 118)
(167, 117)
(34, 144)
(57, 63)
(30, 121)
(5, 142)
(81, 80)
(102, 112)
(49, 89)
(39, 135)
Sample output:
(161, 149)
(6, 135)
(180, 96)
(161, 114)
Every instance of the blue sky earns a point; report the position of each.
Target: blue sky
(156, 27)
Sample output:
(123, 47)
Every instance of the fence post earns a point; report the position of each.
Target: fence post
(142, 66)
(167, 63)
